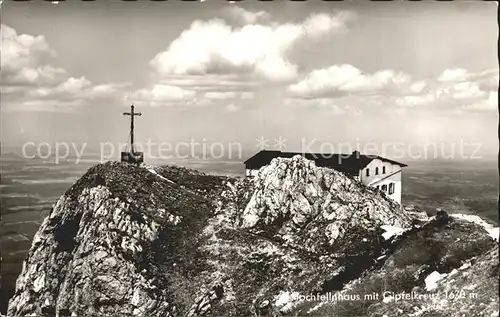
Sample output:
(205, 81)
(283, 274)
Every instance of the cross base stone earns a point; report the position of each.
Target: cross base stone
(132, 157)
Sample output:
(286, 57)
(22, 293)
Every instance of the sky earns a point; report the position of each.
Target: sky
(313, 74)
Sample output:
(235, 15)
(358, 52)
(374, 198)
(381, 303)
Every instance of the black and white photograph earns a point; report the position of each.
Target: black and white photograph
(249, 158)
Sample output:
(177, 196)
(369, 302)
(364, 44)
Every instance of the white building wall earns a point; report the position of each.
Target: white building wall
(382, 179)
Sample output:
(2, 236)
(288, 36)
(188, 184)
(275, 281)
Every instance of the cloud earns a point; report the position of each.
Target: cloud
(418, 86)
(215, 61)
(467, 90)
(457, 91)
(247, 17)
(415, 101)
(453, 91)
(76, 88)
(214, 47)
(319, 24)
(168, 95)
(163, 93)
(159, 95)
(246, 95)
(24, 58)
(486, 79)
(333, 106)
(231, 108)
(338, 80)
(30, 82)
(209, 82)
(490, 104)
(228, 95)
(46, 105)
(220, 95)
(67, 96)
(453, 75)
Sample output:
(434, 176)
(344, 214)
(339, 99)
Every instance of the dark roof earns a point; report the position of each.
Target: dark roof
(350, 163)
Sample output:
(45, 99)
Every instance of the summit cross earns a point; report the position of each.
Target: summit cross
(132, 114)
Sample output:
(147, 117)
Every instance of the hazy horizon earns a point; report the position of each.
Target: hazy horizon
(344, 72)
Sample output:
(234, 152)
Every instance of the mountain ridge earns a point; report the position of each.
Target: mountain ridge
(169, 241)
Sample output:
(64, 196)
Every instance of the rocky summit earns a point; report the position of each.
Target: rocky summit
(295, 240)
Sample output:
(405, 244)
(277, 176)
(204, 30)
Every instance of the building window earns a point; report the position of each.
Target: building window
(384, 188)
(383, 169)
(391, 188)
(367, 172)
(376, 170)
(378, 187)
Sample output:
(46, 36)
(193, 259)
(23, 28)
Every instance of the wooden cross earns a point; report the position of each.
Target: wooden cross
(132, 114)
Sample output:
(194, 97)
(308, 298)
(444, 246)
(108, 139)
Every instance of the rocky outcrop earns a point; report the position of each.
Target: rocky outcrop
(317, 209)
(167, 241)
(89, 255)
(426, 271)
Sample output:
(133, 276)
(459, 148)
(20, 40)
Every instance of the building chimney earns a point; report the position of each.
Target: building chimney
(355, 154)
